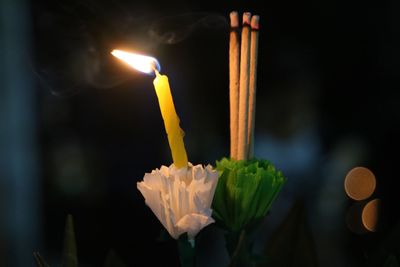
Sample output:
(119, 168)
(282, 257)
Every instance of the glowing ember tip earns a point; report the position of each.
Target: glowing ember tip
(141, 63)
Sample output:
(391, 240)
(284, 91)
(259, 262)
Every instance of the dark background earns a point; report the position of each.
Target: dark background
(78, 129)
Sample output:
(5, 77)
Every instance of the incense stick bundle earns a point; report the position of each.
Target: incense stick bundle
(253, 82)
(234, 81)
(244, 88)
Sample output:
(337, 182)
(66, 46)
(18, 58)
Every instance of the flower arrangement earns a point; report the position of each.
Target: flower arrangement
(181, 197)
(236, 194)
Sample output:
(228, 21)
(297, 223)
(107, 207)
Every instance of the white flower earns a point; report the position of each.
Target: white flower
(181, 198)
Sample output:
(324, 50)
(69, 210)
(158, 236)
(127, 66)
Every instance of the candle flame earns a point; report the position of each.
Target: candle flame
(141, 63)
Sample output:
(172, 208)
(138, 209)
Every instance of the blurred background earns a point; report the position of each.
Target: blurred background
(78, 129)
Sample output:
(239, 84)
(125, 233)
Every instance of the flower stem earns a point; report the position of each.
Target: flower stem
(238, 250)
(186, 249)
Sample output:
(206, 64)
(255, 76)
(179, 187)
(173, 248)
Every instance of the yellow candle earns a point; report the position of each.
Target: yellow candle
(171, 120)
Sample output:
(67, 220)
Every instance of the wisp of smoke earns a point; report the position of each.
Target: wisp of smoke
(77, 57)
(174, 29)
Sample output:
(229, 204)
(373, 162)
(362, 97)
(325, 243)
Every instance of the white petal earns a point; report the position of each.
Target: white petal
(154, 201)
(164, 170)
(193, 223)
(152, 180)
(180, 198)
(198, 172)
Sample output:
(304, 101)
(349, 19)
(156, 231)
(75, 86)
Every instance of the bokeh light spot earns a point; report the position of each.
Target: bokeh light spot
(359, 183)
(370, 215)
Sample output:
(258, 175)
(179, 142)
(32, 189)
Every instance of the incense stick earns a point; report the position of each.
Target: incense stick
(253, 82)
(234, 81)
(244, 88)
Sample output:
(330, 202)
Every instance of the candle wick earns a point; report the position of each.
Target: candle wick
(154, 68)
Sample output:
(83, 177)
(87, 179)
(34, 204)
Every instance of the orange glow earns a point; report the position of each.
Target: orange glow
(139, 62)
(360, 183)
(175, 134)
(370, 215)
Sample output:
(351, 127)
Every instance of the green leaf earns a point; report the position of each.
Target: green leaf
(40, 262)
(69, 257)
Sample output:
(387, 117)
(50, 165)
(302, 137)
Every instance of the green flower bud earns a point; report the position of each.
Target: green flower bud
(245, 192)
